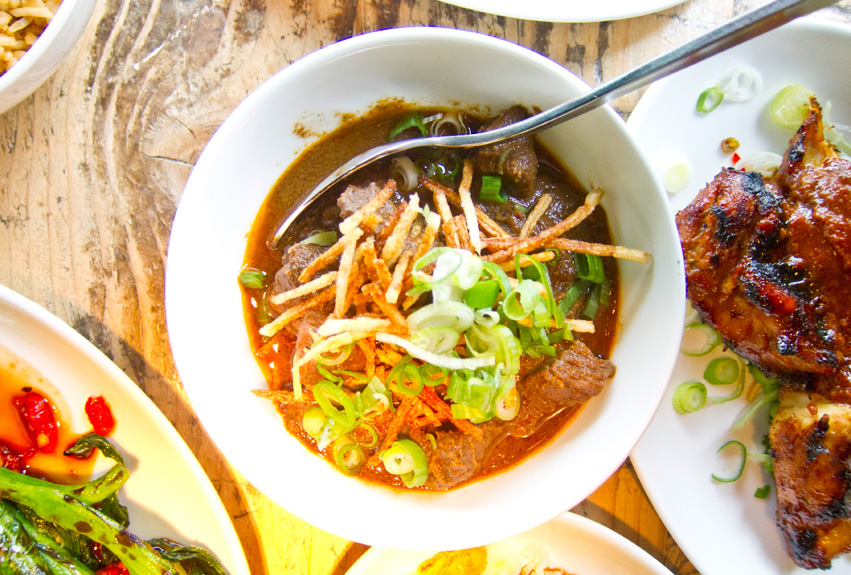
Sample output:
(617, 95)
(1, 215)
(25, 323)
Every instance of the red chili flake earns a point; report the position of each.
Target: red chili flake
(100, 416)
(38, 417)
(736, 158)
(113, 569)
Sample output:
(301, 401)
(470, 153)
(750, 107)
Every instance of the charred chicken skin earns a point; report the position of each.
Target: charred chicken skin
(768, 265)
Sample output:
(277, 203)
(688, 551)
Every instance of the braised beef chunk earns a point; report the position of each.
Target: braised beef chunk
(515, 158)
(573, 378)
(458, 456)
(354, 197)
(297, 258)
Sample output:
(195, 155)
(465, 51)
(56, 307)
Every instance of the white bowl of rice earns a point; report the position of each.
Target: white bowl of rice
(35, 37)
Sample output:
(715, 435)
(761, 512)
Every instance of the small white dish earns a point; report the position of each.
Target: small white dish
(570, 541)
(238, 169)
(723, 528)
(168, 493)
(47, 53)
(567, 10)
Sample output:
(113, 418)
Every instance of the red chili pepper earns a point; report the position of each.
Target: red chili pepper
(99, 414)
(113, 569)
(38, 417)
(735, 158)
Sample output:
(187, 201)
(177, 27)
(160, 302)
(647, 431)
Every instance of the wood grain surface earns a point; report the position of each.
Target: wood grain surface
(92, 166)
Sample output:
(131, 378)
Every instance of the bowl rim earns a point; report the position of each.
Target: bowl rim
(207, 162)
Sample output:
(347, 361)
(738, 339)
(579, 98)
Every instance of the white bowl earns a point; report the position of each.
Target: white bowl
(235, 173)
(45, 55)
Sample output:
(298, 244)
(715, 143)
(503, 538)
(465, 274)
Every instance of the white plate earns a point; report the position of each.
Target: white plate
(572, 542)
(722, 528)
(207, 247)
(567, 10)
(168, 494)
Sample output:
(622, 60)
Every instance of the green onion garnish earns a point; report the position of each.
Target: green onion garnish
(344, 420)
(414, 120)
(252, 279)
(762, 492)
(722, 371)
(321, 238)
(589, 267)
(689, 397)
(699, 339)
(709, 99)
(482, 295)
(491, 190)
(350, 458)
(743, 455)
(790, 106)
(407, 460)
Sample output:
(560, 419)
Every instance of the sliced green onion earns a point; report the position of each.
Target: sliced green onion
(572, 295)
(768, 384)
(525, 300)
(440, 170)
(345, 420)
(689, 397)
(589, 267)
(461, 411)
(753, 407)
(482, 295)
(407, 460)
(790, 106)
(497, 343)
(445, 314)
(475, 392)
(499, 275)
(508, 406)
(722, 371)
(350, 458)
(328, 375)
(521, 208)
(352, 374)
(762, 492)
(313, 421)
(593, 303)
(491, 190)
(436, 339)
(538, 272)
(373, 435)
(699, 339)
(321, 238)
(536, 351)
(447, 361)
(743, 456)
(252, 279)
(409, 372)
(433, 375)
(344, 353)
(709, 99)
(374, 397)
(740, 380)
(414, 120)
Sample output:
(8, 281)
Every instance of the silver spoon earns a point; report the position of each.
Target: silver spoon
(733, 33)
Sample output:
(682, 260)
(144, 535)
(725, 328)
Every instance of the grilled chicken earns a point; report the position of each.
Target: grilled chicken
(811, 445)
(768, 264)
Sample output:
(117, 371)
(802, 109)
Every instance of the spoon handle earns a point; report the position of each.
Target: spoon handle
(736, 31)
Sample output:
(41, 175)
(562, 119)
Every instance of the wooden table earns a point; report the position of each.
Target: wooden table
(93, 164)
